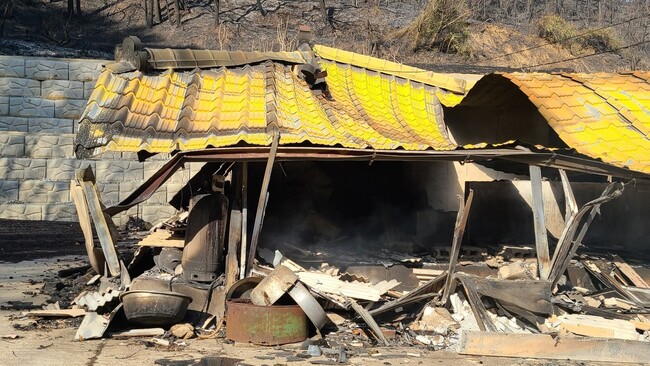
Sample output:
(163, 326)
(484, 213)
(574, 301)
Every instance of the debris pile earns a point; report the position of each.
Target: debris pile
(192, 278)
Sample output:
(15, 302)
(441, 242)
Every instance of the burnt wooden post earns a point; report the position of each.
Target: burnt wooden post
(107, 237)
(567, 245)
(571, 206)
(261, 203)
(244, 220)
(177, 13)
(156, 12)
(95, 255)
(459, 230)
(541, 239)
(234, 239)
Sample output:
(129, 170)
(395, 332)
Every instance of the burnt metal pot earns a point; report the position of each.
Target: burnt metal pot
(154, 307)
(265, 325)
(242, 288)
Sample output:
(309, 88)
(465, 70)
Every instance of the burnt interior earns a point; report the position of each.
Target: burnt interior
(356, 212)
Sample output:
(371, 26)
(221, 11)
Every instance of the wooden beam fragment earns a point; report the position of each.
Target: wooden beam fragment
(244, 220)
(596, 326)
(478, 308)
(95, 255)
(531, 295)
(459, 230)
(161, 238)
(571, 206)
(145, 332)
(234, 237)
(571, 211)
(370, 321)
(423, 292)
(642, 326)
(629, 272)
(544, 346)
(261, 203)
(568, 243)
(541, 238)
(86, 180)
(58, 313)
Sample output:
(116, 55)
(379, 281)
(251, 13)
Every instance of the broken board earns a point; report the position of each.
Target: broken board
(545, 346)
(58, 313)
(629, 272)
(162, 239)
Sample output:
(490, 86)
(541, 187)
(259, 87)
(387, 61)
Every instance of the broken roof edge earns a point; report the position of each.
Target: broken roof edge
(444, 81)
(602, 115)
(158, 113)
(131, 56)
(512, 152)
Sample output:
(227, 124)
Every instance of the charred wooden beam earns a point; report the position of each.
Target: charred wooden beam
(532, 295)
(261, 203)
(541, 238)
(95, 255)
(629, 272)
(86, 179)
(548, 347)
(244, 220)
(234, 240)
(568, 243)
(426, 291)
(297, 153)
(459, 230)
(370, 321)
(480, 312)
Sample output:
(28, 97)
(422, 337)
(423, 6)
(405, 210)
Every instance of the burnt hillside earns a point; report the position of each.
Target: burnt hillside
(473, 36)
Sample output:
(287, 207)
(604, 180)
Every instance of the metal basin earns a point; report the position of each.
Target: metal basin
(265, 325)
(154, 308)
(242, 288)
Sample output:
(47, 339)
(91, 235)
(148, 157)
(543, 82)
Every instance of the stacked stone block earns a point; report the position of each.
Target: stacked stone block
(41, 101)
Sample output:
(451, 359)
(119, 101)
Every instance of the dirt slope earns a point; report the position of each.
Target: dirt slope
(362, 28)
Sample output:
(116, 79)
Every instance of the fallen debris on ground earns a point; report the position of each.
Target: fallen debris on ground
(192, 280)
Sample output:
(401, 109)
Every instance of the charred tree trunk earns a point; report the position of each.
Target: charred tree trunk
(156, 12)
(70, 8)
(7, 11)
(323, 10)
(260, 7)
(216, 12)
(148, 10)
(168, 11)
(78, 6)
(177, 13)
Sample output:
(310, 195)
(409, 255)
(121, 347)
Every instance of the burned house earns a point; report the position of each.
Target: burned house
(339, 181)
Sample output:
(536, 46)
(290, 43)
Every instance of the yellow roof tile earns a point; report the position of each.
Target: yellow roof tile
(604, 116)
(222, 107)
(443, 81)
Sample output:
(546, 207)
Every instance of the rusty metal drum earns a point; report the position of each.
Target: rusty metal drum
(265, 325)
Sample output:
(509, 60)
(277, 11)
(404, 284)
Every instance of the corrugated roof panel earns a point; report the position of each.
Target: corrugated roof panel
(599, 130)
(444, 81)
(194, 110)
(605, 116)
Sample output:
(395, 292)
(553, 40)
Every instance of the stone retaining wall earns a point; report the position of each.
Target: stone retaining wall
(40, 102)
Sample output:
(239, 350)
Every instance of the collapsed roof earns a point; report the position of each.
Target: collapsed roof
(334, 98)
(603, 116)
